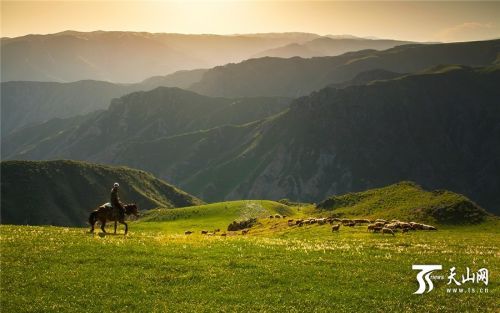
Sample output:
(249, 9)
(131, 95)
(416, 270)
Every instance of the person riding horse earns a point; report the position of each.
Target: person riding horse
(118, 210)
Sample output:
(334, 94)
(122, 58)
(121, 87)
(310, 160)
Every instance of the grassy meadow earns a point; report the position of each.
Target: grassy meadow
(275, 268)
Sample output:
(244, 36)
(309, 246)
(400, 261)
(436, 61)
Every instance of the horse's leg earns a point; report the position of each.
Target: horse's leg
(126, 226)
(103, 224)
(115, 227)
(91, 228)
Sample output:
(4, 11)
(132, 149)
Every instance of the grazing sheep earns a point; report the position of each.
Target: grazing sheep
(204, 232)
(370, 227)
(284, 216)
(223, 235)
(210, 234)
(386, 230)
(321, 221)
(336, 219)
(379, 224)
(348, 223)
(377, 229)
(244, 231)
(217, 230)
(361, 221)
(391, 226)
(271, 216)
(188, 232)
(335, 227)
(381, 220)
(277, 216)
(428, 227)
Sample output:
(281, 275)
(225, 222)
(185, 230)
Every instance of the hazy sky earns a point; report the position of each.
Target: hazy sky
(420, 21)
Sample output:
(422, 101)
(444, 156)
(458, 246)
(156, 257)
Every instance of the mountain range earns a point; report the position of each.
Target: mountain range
(30, 103)
(438, 127)
(129, 57)
(296, 76)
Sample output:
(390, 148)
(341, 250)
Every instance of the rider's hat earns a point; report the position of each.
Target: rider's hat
(116, 185)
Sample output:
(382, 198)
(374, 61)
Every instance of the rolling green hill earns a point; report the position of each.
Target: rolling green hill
(408, 202)
(298, 77)
(64, 192)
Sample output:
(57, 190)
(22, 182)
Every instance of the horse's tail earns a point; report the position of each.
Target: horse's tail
(93, 218)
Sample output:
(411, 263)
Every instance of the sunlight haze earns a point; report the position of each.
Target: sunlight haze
(417, 21)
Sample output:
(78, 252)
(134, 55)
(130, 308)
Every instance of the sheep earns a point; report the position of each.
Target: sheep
(321, 221)
(335, 227)
(244, 231)
(217, 230)
(428, 227)
(188, 232)
(390, 226)
(277, 216)
(379, 224)
(348, 223)
(204, 232)
(361, 221)
(271, 216)
(377, 229)
(386, 230)
(381, 220)
(210, 234)
(223, 235)
(370, 227)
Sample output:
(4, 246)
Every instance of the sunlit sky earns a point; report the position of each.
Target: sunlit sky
(419, 21)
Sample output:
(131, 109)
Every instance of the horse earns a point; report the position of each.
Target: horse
(105, 213)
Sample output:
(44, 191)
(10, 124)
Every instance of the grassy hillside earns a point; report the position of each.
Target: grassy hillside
(406, 201)
(210, 216)
(64, 192)
(304, 270)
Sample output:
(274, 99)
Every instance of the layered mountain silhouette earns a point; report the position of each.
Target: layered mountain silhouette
(298, 77)
(127, 57)
(27, 103)
(63, 193)
(326, 46)
(139, 116)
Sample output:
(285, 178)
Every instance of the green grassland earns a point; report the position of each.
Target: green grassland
(275, 268)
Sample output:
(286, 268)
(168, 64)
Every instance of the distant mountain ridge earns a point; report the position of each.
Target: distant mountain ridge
(126, 57)
(27, 103)
(138, 116)
(63, 193)
(296, 77)
(329, 46)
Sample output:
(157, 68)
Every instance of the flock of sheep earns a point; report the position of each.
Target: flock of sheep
(376, 226)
